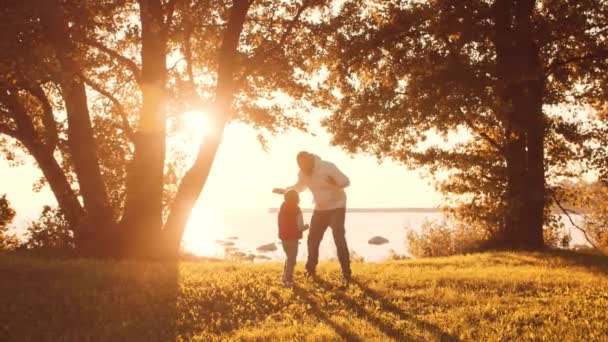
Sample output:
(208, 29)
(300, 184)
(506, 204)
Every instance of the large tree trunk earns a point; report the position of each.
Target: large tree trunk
(81, 140)
(142, 219)
(530, 102)
(515, 136)
(520, 91)
(194, 180)
(516, 219)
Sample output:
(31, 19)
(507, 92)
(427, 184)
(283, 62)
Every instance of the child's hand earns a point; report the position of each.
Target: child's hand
(305, 227)
(279, 191)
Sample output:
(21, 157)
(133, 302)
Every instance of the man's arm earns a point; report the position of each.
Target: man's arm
(299, 186)
(336, 177)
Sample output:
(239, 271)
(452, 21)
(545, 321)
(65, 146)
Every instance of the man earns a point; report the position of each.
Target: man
(327, 183)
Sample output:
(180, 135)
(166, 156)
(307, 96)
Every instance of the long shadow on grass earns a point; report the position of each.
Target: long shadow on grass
(395, 310)
(594, 262)
(87, 300)
(386, 306)
(305, 297)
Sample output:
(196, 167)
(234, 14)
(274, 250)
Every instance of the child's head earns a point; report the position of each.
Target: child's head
(292, 198)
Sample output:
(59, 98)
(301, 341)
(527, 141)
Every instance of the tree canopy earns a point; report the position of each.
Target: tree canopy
(500, 101)
(95, 102)
(513, 87)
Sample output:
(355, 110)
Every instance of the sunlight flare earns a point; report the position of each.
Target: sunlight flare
(204, 230)
(195, 125)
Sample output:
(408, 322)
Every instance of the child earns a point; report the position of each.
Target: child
(291, 226)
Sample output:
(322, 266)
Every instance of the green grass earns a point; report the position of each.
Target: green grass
(492, 296)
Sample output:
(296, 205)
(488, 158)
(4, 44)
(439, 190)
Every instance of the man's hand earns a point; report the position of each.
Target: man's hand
(279, 191)
(331, 180)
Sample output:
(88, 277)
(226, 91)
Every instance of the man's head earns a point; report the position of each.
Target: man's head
(306, 162)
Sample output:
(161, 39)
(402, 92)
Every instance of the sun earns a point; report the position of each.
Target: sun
(194, 125)
(204, 229)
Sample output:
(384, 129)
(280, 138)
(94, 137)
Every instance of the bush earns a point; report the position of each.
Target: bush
(554, 232)
(7, 214)
(393, 255)
(50, 232)
(437, 239)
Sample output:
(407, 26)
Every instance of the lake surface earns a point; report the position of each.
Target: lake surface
(211, 233)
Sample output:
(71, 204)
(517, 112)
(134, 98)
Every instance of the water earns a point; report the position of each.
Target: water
(209, 233)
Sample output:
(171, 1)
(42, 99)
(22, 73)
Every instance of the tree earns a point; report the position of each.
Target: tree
(27, 115)
(80, 135)
(107, 63)
(486, 73)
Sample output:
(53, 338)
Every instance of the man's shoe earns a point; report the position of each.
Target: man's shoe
(312, 275)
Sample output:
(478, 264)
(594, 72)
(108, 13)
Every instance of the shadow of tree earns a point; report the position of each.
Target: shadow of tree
(88, 300)
(389, 329)
(596, 263)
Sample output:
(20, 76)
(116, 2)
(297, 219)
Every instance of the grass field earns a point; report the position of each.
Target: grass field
(493, 296)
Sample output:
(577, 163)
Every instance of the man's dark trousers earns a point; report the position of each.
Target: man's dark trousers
(321, 219)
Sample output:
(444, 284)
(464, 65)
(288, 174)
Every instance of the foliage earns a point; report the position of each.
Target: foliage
(420, 83)
(585, 205)
(88, 91)
(398, 77)
(7, 214)
(446, 238)
(491, 296)
(554, 232)
(437, 239)
(50, 232)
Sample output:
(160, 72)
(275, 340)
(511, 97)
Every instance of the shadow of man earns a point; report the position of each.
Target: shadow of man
(344, 333)
(389, 329)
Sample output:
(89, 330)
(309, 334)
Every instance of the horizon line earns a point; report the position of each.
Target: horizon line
(376, 210)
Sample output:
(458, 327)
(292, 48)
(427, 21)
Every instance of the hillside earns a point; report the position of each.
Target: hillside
(557, 296)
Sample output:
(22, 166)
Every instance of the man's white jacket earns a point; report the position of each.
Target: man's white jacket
(326, 195)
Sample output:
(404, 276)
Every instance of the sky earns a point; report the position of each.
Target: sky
(243, 176)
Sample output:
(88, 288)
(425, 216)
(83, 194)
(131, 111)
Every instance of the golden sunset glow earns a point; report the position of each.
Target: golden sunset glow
(293, 170)
(194, 125)
(205, 227)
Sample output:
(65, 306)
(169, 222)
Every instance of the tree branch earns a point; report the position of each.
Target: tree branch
(483, 135)
(260, 58)
(25, 131)
(188, 52)
(117, 105)
(48, 117)
(5, 129)
(293, 22)
(126, 62)
(602, 54)
(565, 211)
(170, 10)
